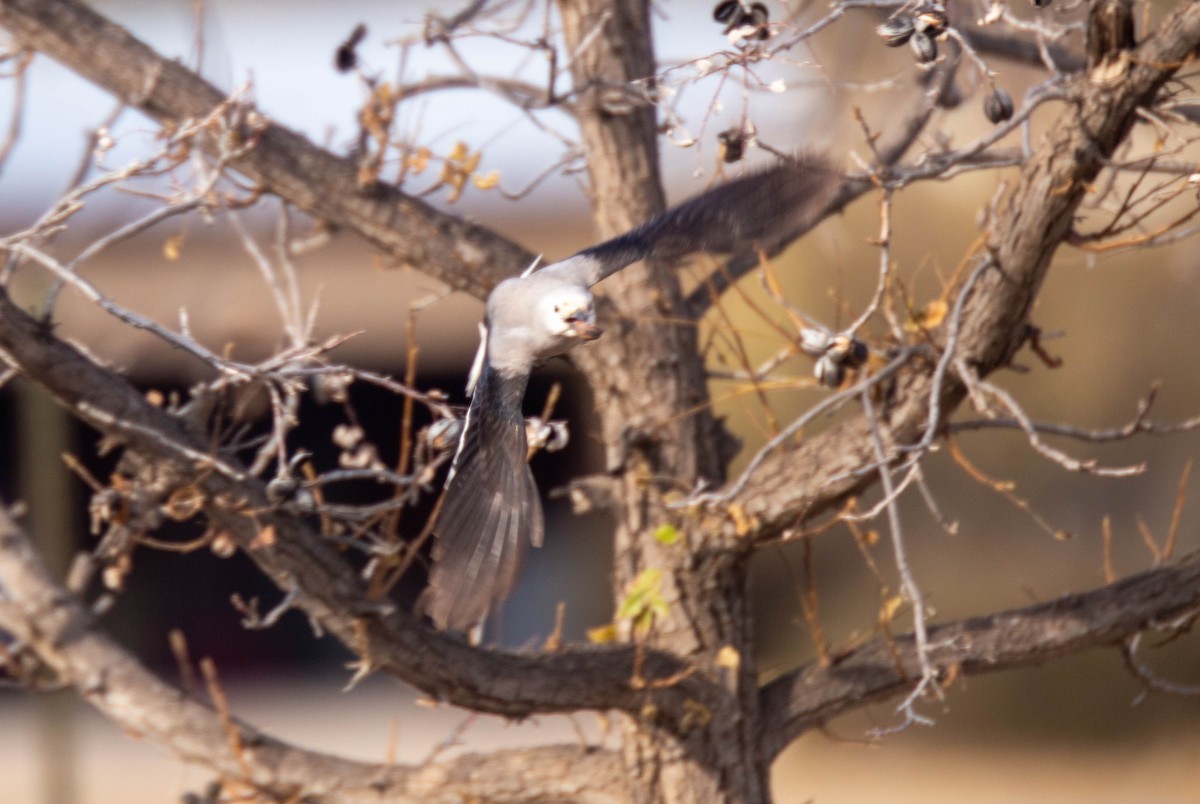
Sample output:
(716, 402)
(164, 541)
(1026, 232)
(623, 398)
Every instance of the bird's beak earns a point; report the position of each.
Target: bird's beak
(586, 330)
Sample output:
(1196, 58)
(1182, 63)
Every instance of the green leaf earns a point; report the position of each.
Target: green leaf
(667, 534)
(641, 594)
(602, 634)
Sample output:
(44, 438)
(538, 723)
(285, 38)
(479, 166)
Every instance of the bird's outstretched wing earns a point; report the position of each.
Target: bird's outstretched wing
(761, 210)
(490, 507)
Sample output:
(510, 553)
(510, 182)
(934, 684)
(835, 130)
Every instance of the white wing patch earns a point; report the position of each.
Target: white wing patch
(477, 363)
(532, 266)
(462, 442)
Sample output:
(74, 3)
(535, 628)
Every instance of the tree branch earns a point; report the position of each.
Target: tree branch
(888, 153)
(295, 557)
(53, 623)
(882, 668)
(802, 479)
(466, 256)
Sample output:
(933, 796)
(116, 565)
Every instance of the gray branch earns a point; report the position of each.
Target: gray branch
(880, 669)
(466, 256)
(55, 625)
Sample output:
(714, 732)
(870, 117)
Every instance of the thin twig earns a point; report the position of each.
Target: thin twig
(908, 583)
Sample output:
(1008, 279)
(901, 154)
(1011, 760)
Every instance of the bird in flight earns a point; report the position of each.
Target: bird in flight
(490, 507)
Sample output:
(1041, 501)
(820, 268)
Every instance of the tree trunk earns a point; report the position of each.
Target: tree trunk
(659, 434)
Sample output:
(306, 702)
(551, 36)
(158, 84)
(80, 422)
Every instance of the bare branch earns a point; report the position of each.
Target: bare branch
(55, 625)
(882, 668)
(17, 112)
(887, 155)
(466, 256)
(1071, 464)
(443, 666)
(1145, 675)
(908, 582)
(804, 479)
(1139, 424)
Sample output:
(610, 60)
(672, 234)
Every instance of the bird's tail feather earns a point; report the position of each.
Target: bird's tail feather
(489, 508)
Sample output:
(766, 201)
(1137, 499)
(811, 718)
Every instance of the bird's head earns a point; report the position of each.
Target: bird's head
(535, 317)
(570, 312)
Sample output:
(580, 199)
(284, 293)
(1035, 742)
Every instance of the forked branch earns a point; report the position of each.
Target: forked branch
(53, 625)
(883, 668)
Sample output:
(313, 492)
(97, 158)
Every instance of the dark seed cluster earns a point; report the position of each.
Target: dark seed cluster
(923, 47)
(736, 14)
(920, 30)
(835, 353)
(896, 31)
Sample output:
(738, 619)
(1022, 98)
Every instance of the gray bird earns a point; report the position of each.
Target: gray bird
(491, 506)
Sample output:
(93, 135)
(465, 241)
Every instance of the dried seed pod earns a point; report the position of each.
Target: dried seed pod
(725, 11)
(829, 372)
(815, 342)
(998, 105)
(732, 143)
(282, 488)
(345, 58)
(923, 47)
(858, 354)
(303, 502)
(896, 31)
(848, 350)
(443, 434)
(222, 545)
(184, 503)
(931, 20)
(758, 18)
(114, 574)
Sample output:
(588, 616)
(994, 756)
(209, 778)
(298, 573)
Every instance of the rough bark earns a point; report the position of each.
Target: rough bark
(649, 385)
(804, 478)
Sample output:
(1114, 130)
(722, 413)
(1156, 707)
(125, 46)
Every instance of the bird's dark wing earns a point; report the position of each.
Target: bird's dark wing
(489, 508)
(762, 210)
